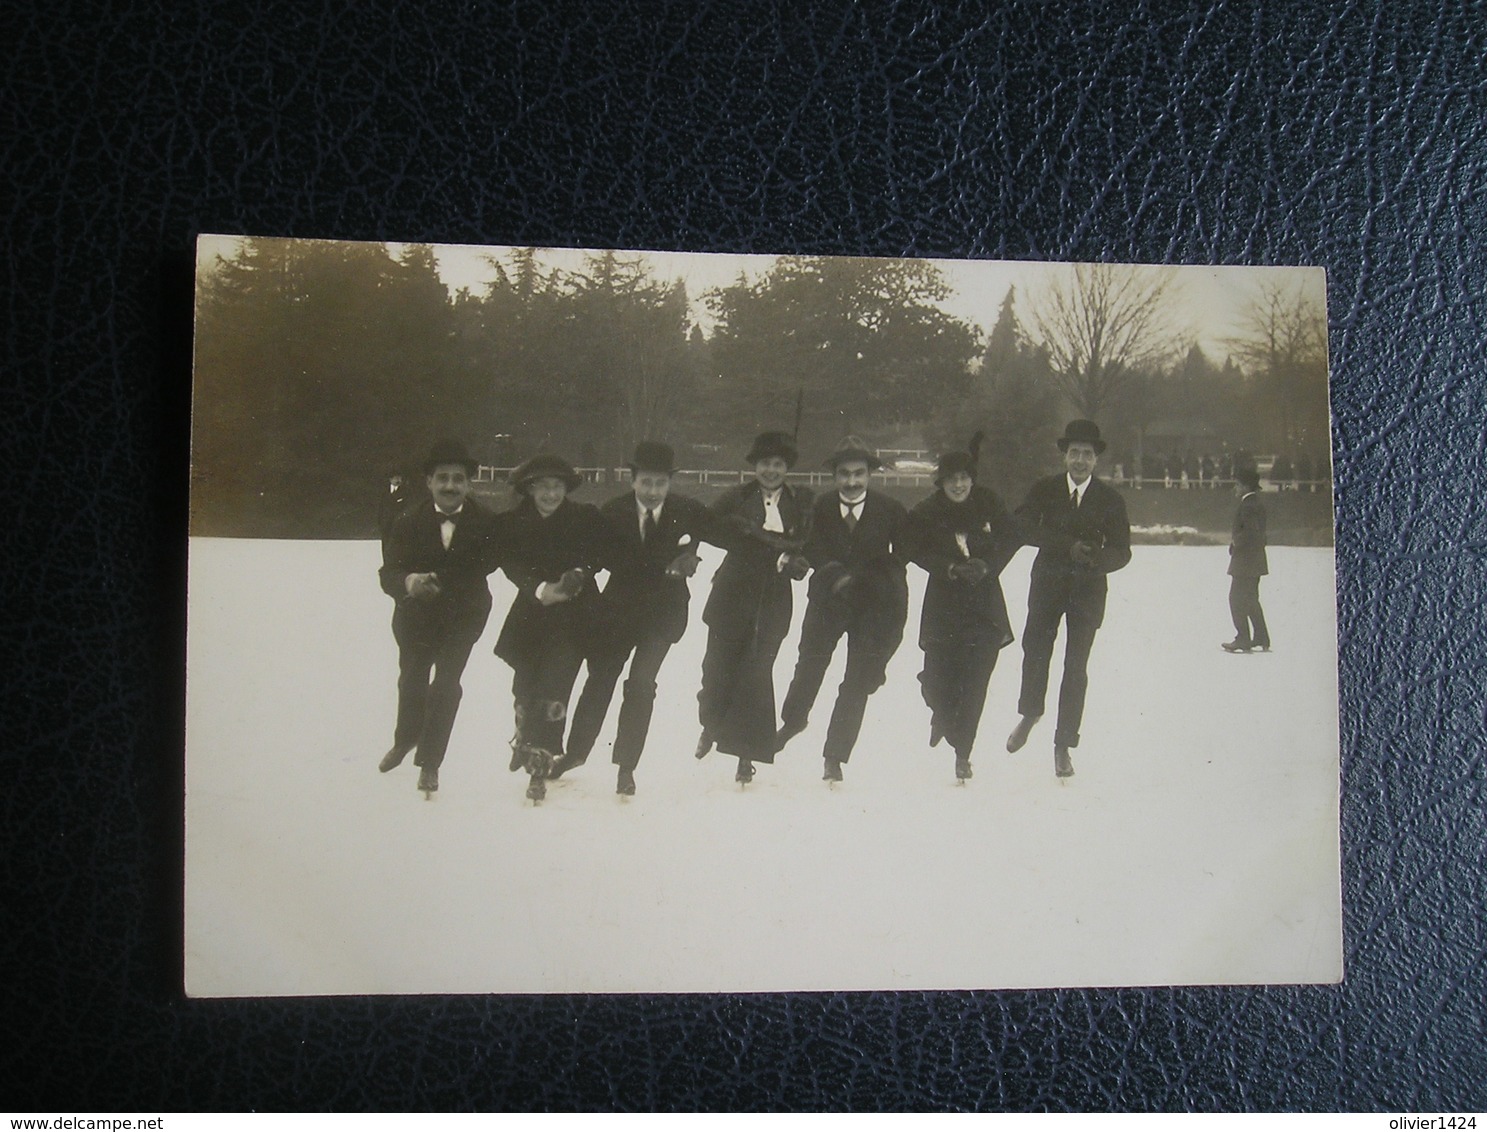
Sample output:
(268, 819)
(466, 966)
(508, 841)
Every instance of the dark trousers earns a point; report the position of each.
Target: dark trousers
(954, 681)
(869, 649)
(541, 685)
(735, 704)
(1244, 608)
(1037, 651)
(426, 709)
(604, 670)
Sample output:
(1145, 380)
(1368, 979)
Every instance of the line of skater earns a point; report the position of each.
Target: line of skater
(854, 543)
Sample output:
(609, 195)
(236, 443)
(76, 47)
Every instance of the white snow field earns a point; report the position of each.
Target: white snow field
(1197, 843)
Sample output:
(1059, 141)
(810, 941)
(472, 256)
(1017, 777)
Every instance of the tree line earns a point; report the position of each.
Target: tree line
(321, 367)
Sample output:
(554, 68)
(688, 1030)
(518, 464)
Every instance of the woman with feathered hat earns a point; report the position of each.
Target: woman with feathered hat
(962, 536)
(762, 524)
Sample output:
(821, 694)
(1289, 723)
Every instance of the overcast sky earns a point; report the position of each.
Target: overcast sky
(1206, 301)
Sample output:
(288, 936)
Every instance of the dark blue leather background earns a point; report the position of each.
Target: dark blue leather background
(1350, 136)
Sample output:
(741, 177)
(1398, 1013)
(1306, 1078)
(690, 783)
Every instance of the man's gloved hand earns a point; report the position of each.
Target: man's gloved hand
(1082, 553)
(684, 565)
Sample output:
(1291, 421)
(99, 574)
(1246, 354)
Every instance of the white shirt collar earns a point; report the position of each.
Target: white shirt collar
(1081, 488)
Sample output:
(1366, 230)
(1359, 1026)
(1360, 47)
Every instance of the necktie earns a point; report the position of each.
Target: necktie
(446, 535)
(851, 516)
(1074, 499)
(648, 528)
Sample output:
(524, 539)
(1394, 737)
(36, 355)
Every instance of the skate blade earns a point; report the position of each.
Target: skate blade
(428, 795)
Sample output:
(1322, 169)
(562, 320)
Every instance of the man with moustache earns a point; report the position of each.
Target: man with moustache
(1082, 532)
(858, 546)
(642, 611)
(435, 559)
(762, 525)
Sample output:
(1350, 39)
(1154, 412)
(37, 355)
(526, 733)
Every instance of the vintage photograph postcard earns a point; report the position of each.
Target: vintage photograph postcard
(570, 620)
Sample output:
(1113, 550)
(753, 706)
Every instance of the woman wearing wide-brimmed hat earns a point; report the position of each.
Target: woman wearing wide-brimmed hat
(962, 536)
(762, 525)
(553, 547)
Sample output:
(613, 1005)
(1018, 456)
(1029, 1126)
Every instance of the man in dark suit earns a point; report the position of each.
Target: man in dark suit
(858, 547)
(435, 559)
(642, 611)
(762, 525)
(400, 494)
(1080, 526)
(1247, 564)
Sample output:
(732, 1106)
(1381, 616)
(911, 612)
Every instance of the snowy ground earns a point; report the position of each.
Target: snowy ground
(1198, 842)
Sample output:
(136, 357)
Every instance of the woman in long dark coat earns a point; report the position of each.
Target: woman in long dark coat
(762, 525)
(962, 535)
(555, 546)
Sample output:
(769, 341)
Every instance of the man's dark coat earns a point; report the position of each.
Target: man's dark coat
(414, 546)
(1247, 558)
(1100, 522)
(640, 598)
(874, 555)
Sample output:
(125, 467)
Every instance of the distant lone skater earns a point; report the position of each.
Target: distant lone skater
(1247, 565)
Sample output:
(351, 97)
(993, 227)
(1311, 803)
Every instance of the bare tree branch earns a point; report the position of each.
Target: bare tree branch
(1103, 329)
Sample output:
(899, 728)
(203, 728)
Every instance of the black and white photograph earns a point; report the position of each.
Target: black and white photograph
(594, 620)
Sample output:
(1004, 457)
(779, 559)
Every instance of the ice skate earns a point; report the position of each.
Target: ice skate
(538, 763)
(1238, 646)
(1020, 733)
(428, 781)
(562, 766)
(786, 732)
(516, 753)
(962, 770)
(393, 759)
(833, 773)
(704, 745)
(1063, 766)
(745, 773)
(625, 784)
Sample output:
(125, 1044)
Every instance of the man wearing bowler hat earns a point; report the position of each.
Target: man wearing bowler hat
(762, 524)
(1247, 563)
(1082, 532)
(435, 559)
(642, 611)
(858, 546)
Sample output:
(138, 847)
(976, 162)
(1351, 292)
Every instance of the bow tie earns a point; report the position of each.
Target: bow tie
(448, 516)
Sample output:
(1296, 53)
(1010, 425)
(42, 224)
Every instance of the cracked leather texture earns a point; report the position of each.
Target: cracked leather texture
(1349, 136)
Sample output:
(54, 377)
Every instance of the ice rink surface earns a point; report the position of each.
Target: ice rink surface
(1197, 843)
